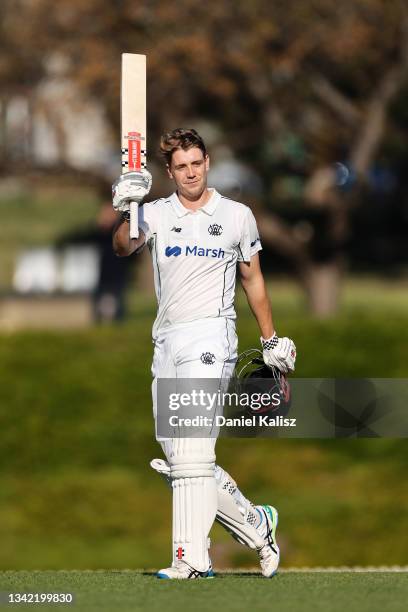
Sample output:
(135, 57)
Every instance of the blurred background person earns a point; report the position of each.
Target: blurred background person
(114, 274)
(109, 297)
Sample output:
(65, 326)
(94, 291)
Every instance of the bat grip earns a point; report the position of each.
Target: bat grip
(134, 220)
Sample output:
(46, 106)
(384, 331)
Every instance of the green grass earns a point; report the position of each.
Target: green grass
(123, 591)
(77, 437)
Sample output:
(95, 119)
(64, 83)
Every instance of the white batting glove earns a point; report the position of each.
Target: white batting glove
(130, 187)
(279, 352)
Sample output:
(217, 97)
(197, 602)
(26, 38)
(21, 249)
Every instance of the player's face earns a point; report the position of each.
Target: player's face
(189, 171)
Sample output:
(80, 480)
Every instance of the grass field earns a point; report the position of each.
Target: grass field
(125, 590)
(77, 437)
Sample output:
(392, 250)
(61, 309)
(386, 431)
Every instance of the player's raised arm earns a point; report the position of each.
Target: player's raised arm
(278, 352)
(123, 245)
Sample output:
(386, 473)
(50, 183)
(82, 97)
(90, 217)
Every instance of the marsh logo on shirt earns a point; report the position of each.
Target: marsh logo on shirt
(194, 251)
(215, 229)
(176, 251)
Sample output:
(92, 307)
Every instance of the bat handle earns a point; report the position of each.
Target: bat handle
(134, 220)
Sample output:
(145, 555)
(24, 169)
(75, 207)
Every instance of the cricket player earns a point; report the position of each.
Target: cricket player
(197, 238)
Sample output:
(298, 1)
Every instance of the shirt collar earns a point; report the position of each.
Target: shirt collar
(208, 208)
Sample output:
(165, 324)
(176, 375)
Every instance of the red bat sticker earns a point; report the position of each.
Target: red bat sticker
(134, 151)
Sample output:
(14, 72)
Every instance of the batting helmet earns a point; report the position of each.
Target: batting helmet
(253, 376)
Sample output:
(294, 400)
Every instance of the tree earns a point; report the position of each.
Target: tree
(295, 87)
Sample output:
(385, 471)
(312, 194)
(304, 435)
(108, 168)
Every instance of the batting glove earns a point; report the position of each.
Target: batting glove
(130, 187)
(280, 353)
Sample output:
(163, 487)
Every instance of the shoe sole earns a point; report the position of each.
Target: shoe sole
(161, 576)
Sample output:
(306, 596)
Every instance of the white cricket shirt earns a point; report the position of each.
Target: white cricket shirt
(195, 254)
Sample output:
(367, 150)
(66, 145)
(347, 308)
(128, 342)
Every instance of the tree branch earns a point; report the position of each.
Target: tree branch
(281, 236)
(371, 133)
(336, 100)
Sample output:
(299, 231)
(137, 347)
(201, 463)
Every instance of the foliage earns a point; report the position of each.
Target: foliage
(292, 87)
(278, 77)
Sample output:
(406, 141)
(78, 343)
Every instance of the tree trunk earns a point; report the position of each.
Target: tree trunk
(3, 130)
(322, 284)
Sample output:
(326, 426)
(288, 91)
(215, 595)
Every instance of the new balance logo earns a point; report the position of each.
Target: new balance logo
(194, 251)
(176, 229)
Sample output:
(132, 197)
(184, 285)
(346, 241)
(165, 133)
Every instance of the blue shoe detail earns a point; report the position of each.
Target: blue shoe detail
(273, 515)
(162, 576)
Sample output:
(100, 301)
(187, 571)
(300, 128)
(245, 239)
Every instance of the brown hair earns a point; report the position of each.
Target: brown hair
(180, 139)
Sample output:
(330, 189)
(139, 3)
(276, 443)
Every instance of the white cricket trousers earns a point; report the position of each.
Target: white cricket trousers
(206, 348)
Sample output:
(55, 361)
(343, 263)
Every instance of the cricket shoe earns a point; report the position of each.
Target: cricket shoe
(269, 553)
(181, 570)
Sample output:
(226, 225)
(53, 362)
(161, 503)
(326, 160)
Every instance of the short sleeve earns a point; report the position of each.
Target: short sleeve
(249, 243)
(146, 220)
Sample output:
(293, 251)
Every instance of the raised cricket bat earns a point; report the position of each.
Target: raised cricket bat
(133, 122)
